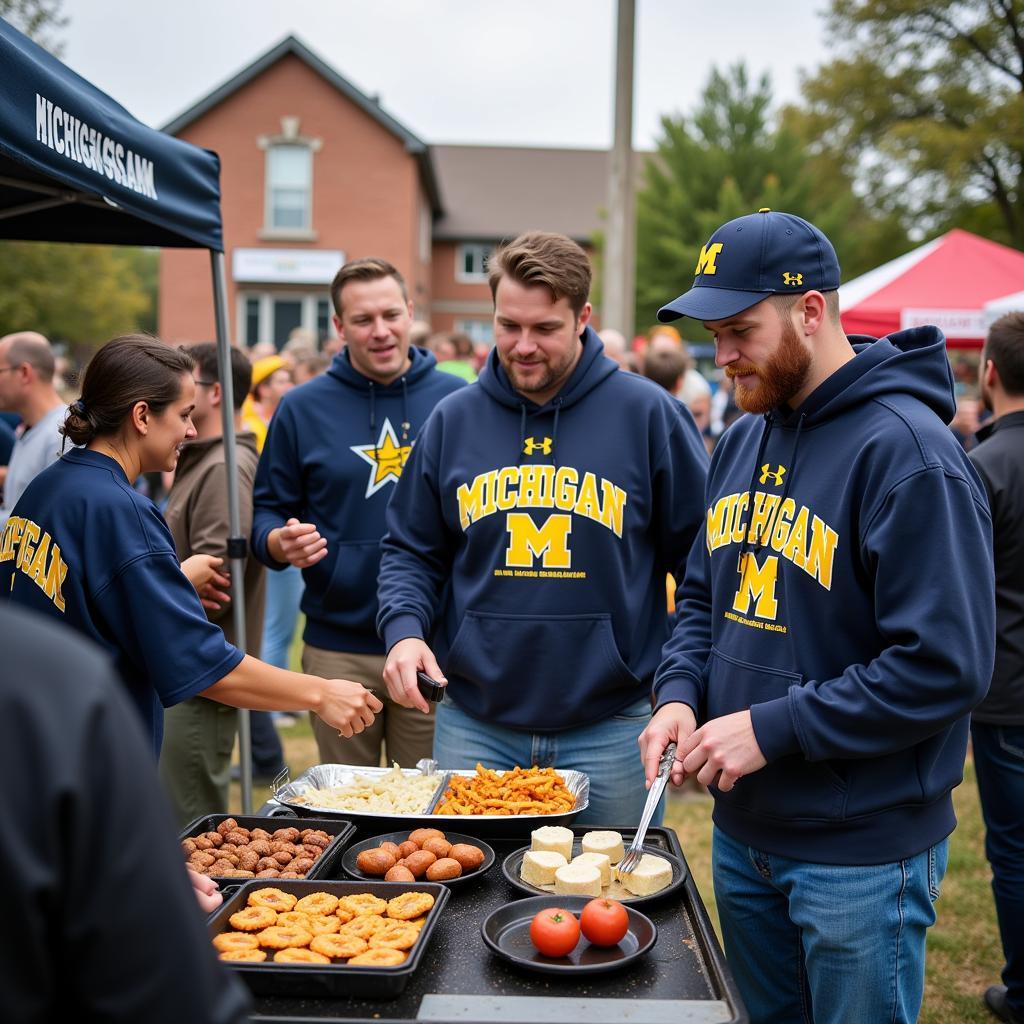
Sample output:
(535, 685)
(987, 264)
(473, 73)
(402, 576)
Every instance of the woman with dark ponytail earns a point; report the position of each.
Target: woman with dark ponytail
(87, 549)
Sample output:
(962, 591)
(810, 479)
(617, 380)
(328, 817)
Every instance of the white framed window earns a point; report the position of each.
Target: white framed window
(289, 187)
(471, 262)
(271, 316)
(477, 328)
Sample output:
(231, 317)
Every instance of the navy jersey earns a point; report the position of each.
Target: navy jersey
(84, 547)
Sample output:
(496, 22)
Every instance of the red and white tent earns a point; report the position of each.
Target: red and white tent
(947, 282)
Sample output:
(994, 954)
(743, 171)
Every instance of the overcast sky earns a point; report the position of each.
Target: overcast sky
(473, 71)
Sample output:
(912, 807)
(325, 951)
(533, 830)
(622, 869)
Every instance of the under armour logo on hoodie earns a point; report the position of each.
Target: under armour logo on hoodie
(766, 472)
(530, 446)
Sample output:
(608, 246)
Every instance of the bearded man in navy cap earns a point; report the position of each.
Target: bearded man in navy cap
(836, 627)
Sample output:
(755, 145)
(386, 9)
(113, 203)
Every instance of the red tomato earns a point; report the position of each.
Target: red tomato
(604, 922)
(554, 932)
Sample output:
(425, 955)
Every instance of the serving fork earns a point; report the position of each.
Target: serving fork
(635, 851)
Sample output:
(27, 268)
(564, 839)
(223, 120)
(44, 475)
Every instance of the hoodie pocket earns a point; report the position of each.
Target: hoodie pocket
(351, 595)
(791, 787)
(565, 666)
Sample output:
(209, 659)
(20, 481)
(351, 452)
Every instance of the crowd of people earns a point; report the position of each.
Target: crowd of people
(846, 582)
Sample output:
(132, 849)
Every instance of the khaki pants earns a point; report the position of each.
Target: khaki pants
(195, 760)
(405, 733)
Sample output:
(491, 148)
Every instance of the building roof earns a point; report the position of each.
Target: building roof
(493, 192)
(291, 45)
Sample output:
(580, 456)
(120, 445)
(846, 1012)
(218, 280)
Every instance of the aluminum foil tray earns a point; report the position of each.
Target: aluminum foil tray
(485, 826)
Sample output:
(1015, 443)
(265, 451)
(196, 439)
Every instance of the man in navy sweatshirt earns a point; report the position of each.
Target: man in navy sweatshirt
(835, 629)
(530, 536)
(334, 452)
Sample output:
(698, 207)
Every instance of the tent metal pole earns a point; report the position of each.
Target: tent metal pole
(237, 544)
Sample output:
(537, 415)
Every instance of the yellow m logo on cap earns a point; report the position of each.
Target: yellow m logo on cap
(706, 263)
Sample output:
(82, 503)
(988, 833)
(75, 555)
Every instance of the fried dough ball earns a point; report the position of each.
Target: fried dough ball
(407, 848)
(202, 860)
(259, 833)
(421, 835)
(220, 866)
(316, 839)
(437, 846)
(339, 946)
(282, 857)
(378, 958)
(391, 848)
(244, 955)
(288, 835)
(189, 846)
(409, 905)
(268, 873)
(273, 898)
(444, 870)
(253, 919)
(202, 843)
(302, 864)
(311, 851)
(419, 862)
(261, 846)
(375, 862)
(399, 873)
(215, 837)
(248, 859)
(267, 862)
(470, 857)
(238, 838)
(226, 826)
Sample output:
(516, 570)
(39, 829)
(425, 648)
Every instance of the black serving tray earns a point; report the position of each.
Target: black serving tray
(339, 829)
(321, 980)
(351, 868)
(459, 975)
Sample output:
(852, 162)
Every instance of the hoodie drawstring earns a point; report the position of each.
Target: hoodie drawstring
(765, 535)
(765, 434)
(406, 425)
(522, 432)
(554, 433)
(373, 412)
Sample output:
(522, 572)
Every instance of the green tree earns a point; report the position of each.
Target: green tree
(81, 295)
(926, 100)
(732, 157)
(37, 19)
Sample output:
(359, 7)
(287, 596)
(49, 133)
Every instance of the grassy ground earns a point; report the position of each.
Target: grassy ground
(964, 954)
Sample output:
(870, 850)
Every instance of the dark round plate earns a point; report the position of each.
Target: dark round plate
(348, 858)
(513, 863)
(506, 932)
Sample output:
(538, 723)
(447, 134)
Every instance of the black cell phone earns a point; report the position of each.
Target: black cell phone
(430, 688)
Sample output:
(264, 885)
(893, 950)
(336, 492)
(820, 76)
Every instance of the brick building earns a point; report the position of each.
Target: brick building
(315, 172)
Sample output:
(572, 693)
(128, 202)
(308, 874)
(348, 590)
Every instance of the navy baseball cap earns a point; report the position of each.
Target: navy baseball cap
(752, 257)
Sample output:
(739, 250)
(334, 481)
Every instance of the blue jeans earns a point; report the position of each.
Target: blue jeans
(607, 751)
(826, 943)
(999, 767)
(284, 592)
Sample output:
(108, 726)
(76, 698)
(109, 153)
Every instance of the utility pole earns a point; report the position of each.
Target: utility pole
(620, 241)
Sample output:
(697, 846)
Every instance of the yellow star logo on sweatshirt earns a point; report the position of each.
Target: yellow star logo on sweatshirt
(387, 458)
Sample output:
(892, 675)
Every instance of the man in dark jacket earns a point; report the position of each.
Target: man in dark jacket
(530, 536)
(835, 629)
(108, 927)
(997, 724)
(334, 452)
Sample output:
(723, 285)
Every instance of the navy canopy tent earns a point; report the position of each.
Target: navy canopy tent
(76, 167)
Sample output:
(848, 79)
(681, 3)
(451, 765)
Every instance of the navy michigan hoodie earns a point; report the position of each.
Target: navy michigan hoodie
(530, 543)
(336, 447)
(844, 593)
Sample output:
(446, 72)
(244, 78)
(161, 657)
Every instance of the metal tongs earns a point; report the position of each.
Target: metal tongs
(635, 851)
